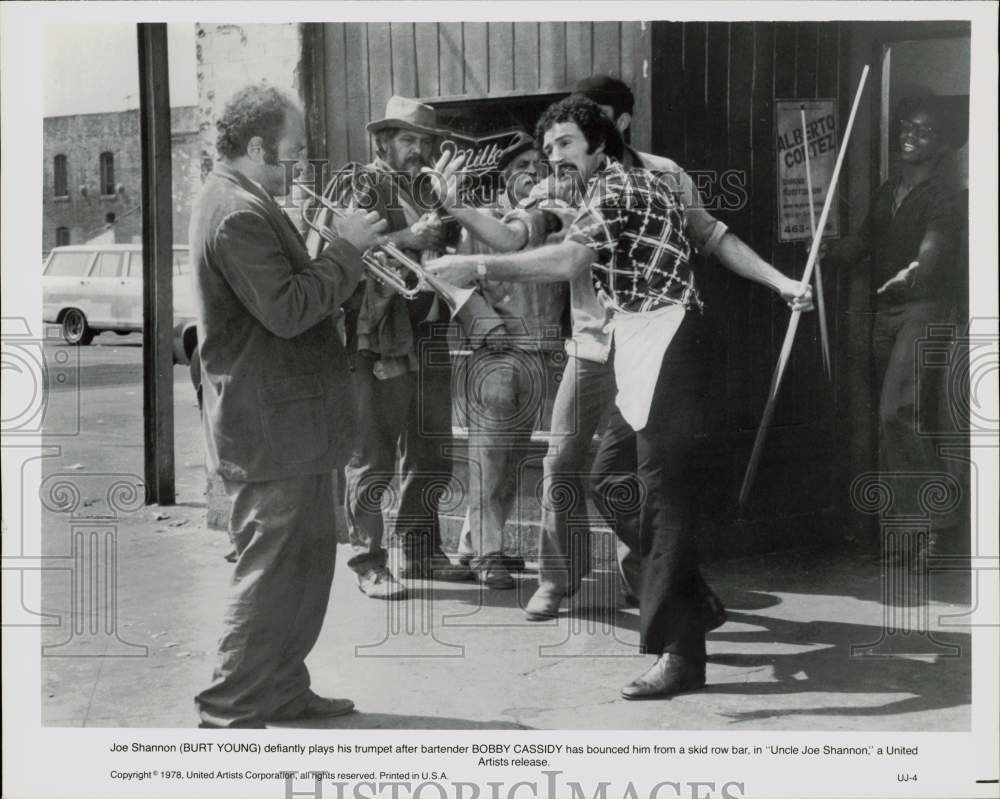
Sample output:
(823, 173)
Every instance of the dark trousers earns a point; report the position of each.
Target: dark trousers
(283, 531)
(618, 494)
(409, 414)
(908, 388)
(667, 456)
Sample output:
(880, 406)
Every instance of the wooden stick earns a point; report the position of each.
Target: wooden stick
(793, 323)
(824, 338)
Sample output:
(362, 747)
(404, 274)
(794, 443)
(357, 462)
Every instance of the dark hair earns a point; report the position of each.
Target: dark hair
(258, 110)
(597, 129)
(605, 90)
(950, 114)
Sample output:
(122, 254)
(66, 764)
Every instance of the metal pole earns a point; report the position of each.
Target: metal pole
(157, 265)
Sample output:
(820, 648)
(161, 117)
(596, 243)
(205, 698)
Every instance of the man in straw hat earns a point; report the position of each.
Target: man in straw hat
(401, 366)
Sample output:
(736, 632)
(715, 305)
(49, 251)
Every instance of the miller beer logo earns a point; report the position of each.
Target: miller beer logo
(482, 182)
(482, 154)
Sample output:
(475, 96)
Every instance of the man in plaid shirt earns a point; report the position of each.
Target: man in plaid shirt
(630, 232)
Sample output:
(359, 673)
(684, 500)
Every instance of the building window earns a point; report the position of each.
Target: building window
(59, 182)
(62, 236)
(107, 173)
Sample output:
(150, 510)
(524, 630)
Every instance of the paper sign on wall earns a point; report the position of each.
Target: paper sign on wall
(821, 137)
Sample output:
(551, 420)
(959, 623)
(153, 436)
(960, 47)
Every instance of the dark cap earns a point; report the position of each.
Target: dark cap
(519, 144)
(605, 90)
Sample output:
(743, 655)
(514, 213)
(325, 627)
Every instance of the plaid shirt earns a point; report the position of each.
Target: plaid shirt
(636, 229)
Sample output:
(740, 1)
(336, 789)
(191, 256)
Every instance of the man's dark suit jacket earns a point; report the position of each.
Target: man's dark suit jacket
(276, 397)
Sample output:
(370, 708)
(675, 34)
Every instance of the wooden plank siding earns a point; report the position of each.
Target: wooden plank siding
(705, 97)
(714, 85)
(365, 63)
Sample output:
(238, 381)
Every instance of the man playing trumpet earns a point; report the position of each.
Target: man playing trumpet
(273, 407)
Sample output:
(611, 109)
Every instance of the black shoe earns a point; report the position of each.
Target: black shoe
(669, 675)
(313, 706)
(435, 567)
(513, 563)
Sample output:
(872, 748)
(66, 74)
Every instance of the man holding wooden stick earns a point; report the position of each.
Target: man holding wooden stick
(630, 232)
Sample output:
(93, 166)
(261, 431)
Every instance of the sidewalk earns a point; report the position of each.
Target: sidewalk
(455, 656)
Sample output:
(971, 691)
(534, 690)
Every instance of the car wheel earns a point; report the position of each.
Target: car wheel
(75, 328)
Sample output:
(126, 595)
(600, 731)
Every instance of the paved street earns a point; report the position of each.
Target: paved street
(452, 656)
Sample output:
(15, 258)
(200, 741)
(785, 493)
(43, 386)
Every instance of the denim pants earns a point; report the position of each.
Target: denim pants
(283, 531)
(585, 393)
(504, 393)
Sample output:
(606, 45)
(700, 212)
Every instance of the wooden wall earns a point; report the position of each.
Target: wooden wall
(714, 85)
(363, 64)
(705, 97)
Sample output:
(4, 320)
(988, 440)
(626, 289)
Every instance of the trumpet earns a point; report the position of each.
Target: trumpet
(377, 268)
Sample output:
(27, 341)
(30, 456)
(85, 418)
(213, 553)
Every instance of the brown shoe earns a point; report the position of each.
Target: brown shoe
(313, 706)
(491, 572)
(669, 675)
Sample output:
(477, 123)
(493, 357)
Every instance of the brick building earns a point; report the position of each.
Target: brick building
(92, 176)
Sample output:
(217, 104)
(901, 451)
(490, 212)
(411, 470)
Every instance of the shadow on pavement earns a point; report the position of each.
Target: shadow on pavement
(377, 721)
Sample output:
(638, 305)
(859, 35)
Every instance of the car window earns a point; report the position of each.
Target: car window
(109, 264)
(68, 264)
(182, 262)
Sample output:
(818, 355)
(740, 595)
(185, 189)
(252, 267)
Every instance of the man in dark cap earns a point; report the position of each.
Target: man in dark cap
(506, 376)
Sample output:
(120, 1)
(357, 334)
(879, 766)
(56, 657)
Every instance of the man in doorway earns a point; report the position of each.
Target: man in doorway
(273, 407)
(913, 244)
(630, 234)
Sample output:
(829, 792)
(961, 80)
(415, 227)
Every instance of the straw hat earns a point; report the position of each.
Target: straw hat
(407, 114)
